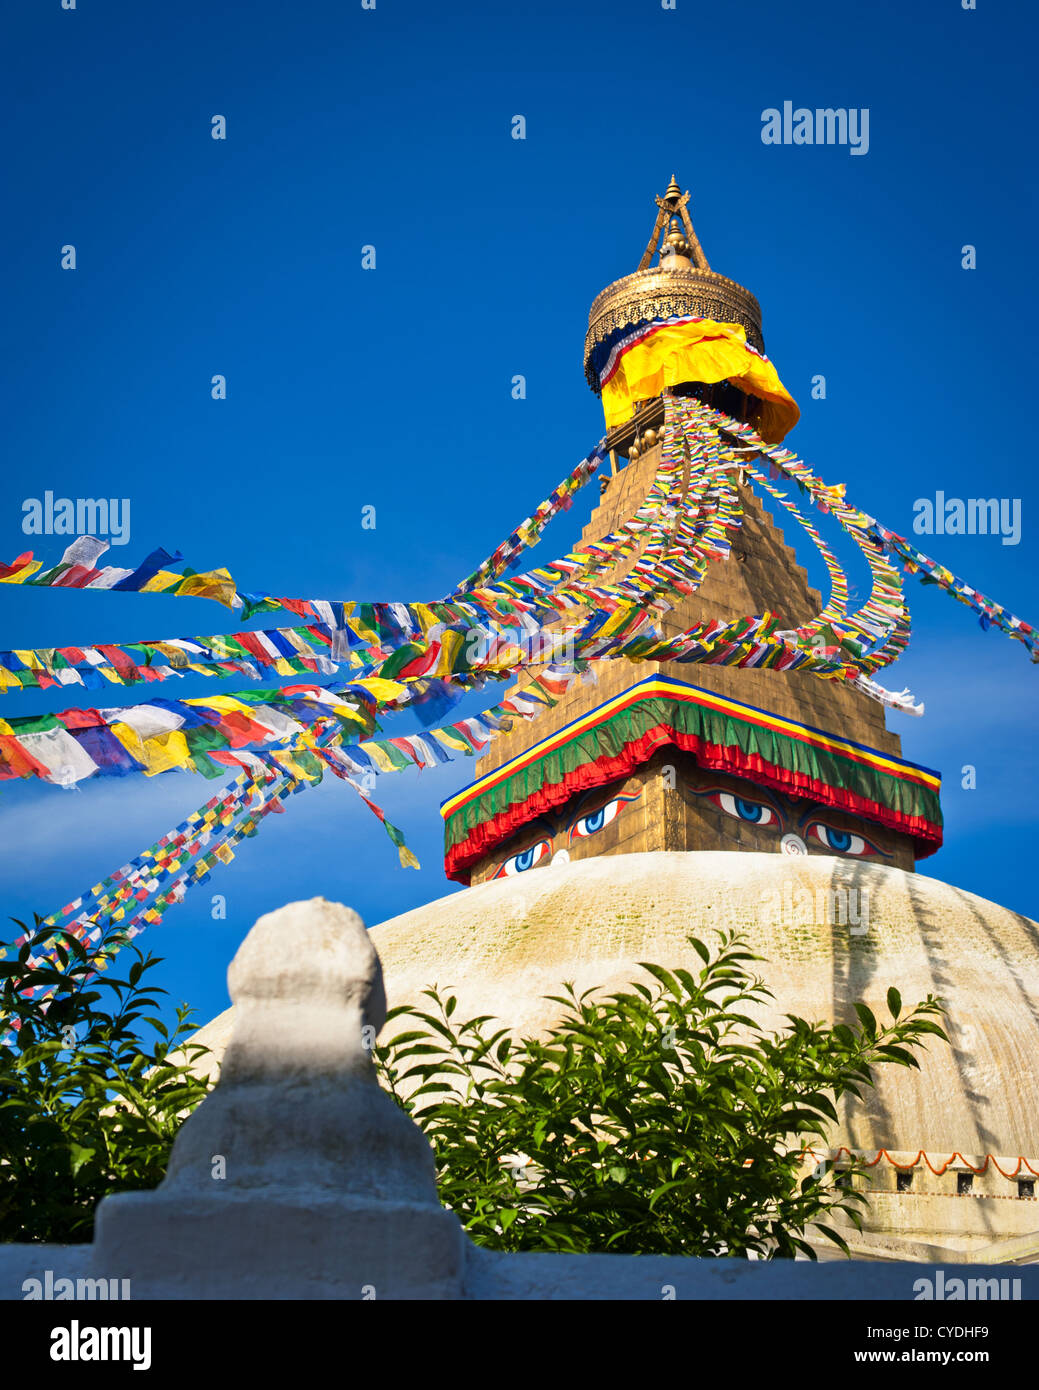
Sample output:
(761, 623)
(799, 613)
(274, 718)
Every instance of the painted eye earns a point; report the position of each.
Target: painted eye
(753, 811)
(596, 820)
(526, 859)
(841, 841)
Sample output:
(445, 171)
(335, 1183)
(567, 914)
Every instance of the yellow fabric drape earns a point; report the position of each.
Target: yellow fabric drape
(705, 351)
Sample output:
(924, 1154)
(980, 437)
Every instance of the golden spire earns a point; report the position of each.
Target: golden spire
(681, 283)
(672, 205)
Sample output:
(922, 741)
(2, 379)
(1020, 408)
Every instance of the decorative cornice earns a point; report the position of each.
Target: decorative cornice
(661, 293)
(905, 1161)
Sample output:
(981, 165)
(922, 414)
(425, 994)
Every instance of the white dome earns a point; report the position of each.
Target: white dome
(831, 931)
(503, 945)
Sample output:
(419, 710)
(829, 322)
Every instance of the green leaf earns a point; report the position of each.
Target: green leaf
(79, 1156)
(866, 1018)
(894, 1002)
(700, 949)
(898, 1054)
(837, 1239)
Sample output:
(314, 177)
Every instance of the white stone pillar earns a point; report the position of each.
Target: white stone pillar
(297, 1177)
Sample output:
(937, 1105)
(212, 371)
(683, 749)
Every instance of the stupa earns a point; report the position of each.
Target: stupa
(668, 798)
(740, 759)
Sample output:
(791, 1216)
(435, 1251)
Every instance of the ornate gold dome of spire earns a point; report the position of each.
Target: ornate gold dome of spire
(682, 282)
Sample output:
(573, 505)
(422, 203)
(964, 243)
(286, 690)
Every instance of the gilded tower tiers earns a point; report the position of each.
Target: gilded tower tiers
(675, 756)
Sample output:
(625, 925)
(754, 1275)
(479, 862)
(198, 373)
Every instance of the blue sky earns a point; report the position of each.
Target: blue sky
(392, 387)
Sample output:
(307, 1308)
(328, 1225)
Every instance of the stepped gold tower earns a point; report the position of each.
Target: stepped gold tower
(689, 791)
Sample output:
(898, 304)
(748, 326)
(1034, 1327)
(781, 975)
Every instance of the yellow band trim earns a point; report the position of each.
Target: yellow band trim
(657, 686)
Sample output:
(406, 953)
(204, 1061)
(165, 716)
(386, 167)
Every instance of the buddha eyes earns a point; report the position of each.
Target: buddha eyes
(580, 829)
(596, 820)
(845, 842)
(527, 859)
(841, 841)
(755, 812)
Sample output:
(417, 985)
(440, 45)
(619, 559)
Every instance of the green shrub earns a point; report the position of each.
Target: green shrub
(87, 1106)
(662, 1119)
(659, 1120)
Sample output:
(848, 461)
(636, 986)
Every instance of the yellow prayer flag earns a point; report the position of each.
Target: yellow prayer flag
(450, 644)
(378, 757)
(349, 712)
(227, 703)
(382, 690)
(23, 574)
(449, 740)
(426, 617)
(158, 754)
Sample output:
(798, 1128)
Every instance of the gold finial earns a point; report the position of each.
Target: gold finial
(673, 191)
(675, 244)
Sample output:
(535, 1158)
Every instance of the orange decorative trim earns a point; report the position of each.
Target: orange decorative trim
(921, 1155)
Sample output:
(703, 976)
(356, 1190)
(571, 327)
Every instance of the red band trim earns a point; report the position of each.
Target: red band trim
(460, 858)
